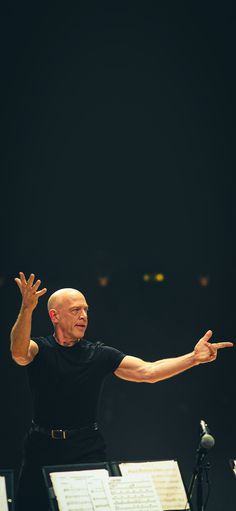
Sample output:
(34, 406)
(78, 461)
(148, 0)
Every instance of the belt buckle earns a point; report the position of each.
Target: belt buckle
(58, 434)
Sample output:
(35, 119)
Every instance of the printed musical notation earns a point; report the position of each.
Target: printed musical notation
(93, 490)
(166, 478)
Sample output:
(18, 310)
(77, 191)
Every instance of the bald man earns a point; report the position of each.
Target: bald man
(66, 373)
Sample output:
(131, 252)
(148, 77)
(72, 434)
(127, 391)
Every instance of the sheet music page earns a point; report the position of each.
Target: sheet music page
(167, 481)
(3, 494)
(86, 488)
(134, 493)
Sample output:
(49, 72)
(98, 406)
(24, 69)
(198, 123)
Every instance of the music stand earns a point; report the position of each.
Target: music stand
(9, 480)
(67, 468)
(164, 468)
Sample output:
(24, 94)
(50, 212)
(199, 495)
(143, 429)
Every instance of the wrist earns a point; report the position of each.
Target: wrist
(26, 310)
(195, 357)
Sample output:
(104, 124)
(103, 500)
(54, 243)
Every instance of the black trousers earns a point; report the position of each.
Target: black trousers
(40, 450)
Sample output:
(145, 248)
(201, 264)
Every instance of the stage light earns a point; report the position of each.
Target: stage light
(146, 277)
(159, 277)
(103, 281)
(204, 280)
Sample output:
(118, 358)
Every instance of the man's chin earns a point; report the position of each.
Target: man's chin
(80, 331)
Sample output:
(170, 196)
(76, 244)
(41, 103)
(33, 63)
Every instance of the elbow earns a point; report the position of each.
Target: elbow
(19, 360)
(19, 352)
(152, 380)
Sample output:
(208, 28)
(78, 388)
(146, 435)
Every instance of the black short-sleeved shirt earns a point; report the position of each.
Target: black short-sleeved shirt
(66, 381)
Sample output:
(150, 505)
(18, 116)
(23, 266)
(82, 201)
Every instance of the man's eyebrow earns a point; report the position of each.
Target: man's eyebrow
(79, 307)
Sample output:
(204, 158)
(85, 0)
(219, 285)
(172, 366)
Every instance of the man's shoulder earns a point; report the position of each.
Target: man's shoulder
(95, 344)
(90, 345)
(103, 349)
(108, 356)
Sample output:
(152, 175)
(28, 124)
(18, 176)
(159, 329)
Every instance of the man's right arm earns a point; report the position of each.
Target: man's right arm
(23, 349)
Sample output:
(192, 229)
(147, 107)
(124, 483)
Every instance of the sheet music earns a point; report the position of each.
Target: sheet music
(93, 490)
(3, 494)
(88, 488)
(167, 481)
(134, 493)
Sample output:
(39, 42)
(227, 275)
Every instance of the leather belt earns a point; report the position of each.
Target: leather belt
(63, 434)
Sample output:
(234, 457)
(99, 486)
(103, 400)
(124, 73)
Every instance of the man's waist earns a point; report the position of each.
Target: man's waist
(61, 433)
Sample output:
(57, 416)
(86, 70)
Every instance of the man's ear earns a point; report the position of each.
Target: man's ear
(53, 315)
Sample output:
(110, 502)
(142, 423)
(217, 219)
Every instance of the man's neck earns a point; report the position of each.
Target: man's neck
(65, 342)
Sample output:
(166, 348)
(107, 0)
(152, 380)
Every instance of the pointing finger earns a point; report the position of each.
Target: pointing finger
(219, 345)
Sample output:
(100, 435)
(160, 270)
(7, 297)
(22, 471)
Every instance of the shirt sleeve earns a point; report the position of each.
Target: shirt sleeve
(40, 341)
(112, 357)
(42, 345)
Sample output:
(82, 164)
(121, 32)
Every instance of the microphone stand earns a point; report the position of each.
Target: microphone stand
(202, 466)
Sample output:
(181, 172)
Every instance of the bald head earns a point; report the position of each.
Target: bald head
(63, 296)
(68, 311)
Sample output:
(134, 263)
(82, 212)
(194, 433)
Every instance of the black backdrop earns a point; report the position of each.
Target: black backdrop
(117, 160)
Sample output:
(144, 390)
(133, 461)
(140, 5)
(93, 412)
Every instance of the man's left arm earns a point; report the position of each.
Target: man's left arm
(137, 370)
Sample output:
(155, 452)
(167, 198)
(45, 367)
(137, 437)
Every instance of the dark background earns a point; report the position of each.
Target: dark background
(117, 160)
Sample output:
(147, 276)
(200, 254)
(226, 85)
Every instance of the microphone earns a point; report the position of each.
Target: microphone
(204, 428)
(206, 443)
(207, 440)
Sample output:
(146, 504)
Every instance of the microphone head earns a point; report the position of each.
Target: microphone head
(207, 442)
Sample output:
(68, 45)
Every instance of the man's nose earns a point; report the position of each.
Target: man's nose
(83, 314)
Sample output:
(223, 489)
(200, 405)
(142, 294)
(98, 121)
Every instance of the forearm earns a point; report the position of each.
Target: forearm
(20, 333)
(166, 368)
(136, 369)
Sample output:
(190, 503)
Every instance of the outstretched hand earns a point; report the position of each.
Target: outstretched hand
(29, 290)
(205, 351)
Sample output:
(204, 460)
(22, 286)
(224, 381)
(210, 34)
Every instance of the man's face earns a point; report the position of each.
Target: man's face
(71, 317)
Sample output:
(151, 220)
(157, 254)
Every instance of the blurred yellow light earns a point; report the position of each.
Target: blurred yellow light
(103, 281)
(159, 277)
(204, 280)
(146, 277)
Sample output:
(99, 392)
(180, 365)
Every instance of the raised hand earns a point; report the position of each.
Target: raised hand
(29, 290)
(205, 351)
